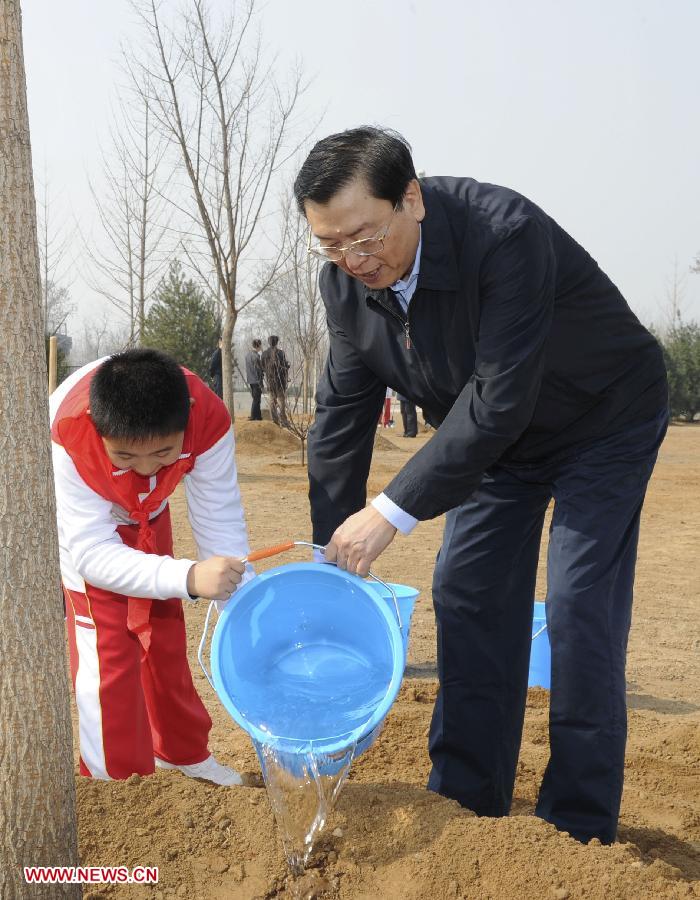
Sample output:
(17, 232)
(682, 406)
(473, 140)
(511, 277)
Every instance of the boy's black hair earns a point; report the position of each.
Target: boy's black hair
(138, 395)
(273, 340)
(378, 155)
(257, 343)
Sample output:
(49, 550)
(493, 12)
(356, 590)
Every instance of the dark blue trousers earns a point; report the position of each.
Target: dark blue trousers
(483, 592)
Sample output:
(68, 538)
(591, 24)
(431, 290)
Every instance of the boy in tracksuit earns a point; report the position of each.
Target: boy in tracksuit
(125, 431)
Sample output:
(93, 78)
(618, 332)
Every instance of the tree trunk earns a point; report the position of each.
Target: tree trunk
(37, 783)
(314, 378)
(305, 385)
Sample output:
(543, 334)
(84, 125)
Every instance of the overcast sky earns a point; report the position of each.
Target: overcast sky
(588, 107)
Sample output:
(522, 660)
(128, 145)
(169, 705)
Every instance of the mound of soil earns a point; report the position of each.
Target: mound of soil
(267, 438)
(382, 443)
(388, 837)
(264, 437)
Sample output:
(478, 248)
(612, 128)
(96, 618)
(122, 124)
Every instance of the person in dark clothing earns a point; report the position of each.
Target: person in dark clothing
(254, 377)
(473, 303)
(276, 369)
(409, 416)
(216, 372)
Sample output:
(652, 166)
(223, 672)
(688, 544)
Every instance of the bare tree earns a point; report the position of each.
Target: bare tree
(219, 103)
(300, 407)
(673, 305)
(128, 262)
(54, 240)
(37, 785)
(675, 295)
(293, 307)
(100, 336)
(57, 307)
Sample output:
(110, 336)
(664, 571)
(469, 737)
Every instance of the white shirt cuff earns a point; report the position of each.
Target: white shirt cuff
(180, 569)
(398, 517)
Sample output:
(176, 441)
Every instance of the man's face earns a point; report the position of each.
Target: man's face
(144, 457)
(353, 214)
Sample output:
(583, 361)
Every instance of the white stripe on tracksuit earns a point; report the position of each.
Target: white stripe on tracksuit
(87, 698)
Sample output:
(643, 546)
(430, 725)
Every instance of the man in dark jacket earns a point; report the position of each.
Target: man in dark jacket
(471, 301)
(254, 377)
(216, 372)
(408, 416)
(276, 369)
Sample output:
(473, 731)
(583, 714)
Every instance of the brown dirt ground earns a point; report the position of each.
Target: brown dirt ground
(389, 837)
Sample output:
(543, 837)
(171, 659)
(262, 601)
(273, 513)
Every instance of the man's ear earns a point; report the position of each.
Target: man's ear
(413, 200)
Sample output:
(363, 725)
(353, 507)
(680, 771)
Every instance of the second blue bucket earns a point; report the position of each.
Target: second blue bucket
(308, 658)
(540, 651)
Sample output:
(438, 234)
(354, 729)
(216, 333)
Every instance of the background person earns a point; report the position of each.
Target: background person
(254, 377)
(385, 419)
(216, 372)
(409, 416)
(477, 306)
(276, 370)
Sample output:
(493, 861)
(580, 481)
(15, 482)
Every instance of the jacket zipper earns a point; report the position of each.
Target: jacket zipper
(405, 324)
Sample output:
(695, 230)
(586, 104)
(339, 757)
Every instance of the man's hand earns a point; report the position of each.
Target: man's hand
(215, 578)
(359, 541)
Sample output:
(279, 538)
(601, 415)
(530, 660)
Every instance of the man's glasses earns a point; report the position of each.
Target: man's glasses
(365, 247)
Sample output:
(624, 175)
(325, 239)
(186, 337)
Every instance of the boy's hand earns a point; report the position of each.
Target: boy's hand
(215, 578)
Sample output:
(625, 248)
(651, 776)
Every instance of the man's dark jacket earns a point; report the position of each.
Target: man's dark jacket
(517, 347)
(216, 372)
(276, 369)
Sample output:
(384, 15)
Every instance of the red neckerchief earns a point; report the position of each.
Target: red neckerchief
(74, 430)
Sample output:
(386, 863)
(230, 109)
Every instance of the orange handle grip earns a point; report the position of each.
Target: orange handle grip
(270, 551)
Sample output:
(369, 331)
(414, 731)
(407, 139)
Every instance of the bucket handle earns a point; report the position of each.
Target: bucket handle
(265, 553)
(203, 643)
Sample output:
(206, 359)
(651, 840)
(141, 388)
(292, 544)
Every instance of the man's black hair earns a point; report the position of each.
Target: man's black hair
(138, 395)
(257, 343)
(273, 340)
(381, 157)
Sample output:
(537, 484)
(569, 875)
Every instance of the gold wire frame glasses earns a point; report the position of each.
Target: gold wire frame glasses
(365, 247)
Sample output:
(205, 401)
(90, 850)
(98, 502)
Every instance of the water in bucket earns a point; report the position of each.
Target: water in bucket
(308, 659)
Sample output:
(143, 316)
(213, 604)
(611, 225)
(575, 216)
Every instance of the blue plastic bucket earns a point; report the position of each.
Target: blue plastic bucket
(307, 657)
(540, 652)
(406, 597)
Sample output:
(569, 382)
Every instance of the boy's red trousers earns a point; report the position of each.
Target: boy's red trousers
(133, 707)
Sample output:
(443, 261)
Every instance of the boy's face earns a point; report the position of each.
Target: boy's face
(144, 457)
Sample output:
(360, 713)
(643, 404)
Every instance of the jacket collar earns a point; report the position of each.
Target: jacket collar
(438, 266)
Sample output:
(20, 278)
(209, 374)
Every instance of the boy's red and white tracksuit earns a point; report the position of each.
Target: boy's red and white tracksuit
(123, 589)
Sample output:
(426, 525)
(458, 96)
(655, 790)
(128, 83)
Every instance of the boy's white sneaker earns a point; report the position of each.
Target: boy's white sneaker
(209, 770)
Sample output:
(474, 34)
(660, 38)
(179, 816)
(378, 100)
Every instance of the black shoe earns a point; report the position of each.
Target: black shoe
(410, 435)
